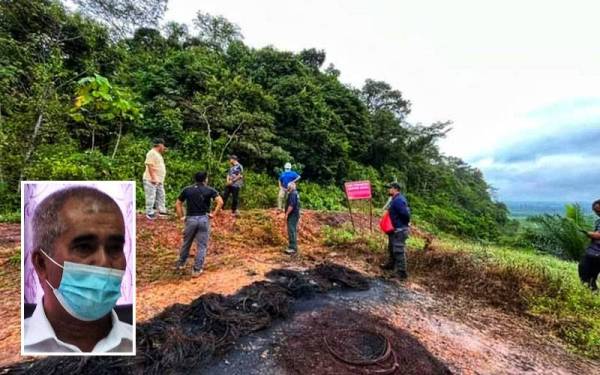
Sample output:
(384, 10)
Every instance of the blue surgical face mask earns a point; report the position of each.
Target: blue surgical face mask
(87, 292)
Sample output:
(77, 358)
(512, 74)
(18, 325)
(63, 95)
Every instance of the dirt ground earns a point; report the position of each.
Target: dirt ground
(467, 336)
(10, 284)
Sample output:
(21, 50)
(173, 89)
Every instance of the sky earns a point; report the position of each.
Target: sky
(520, 80)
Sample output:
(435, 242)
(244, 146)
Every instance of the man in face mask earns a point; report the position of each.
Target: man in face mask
(78, 239)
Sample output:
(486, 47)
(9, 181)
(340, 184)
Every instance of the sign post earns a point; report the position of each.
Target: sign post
(359, 190)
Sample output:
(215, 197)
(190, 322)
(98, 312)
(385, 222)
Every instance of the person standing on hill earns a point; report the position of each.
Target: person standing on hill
(235, 180)
(400, 216)
(154, 178)
(198, 199)
(589, 266)
(292, 217)
(285, 178)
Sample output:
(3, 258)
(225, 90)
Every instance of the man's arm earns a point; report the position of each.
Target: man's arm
(401, 209)
(218, 207)
(179, 209)
(594, 235)
(153, 178)
(291, 206)
(240, 175)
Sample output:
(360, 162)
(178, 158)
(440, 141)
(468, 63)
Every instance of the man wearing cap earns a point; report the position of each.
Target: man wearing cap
(400, 217)
(154, 178)
(234, 183)
(285, 178)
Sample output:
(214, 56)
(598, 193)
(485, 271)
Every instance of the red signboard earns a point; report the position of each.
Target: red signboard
(357, 190)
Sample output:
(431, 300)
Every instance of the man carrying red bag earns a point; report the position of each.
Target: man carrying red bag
(399, 216)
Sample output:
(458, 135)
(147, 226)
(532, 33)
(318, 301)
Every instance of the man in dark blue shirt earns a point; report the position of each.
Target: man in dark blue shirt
(400, 217)
(589, 266)
(198, 199)
(287, 176)
(292, 214)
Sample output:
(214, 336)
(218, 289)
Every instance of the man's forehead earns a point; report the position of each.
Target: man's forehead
(77, 209)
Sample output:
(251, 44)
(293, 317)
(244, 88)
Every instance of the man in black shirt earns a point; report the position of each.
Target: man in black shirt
(198, 199)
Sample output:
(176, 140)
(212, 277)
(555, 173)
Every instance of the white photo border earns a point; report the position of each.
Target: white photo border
(133, 270)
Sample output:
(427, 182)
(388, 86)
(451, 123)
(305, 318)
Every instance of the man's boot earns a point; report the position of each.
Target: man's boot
(388, 266)
(402, 275)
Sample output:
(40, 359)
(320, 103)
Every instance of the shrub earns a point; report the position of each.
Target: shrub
(558, 235)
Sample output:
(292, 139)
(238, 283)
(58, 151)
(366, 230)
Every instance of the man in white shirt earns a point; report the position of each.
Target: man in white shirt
(78, 239)
(154, 179)
(41, 338)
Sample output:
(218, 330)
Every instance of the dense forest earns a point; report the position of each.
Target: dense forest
(84, 90)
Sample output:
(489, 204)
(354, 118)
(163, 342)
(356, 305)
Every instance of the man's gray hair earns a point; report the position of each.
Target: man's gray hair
(48, 224)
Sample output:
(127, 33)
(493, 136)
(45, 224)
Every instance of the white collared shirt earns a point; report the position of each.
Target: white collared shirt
(41, 338)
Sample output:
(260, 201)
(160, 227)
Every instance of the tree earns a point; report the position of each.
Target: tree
(176, 33)
(313, 57)
(379, 95)
(123, 16)
(216, 31)
(562, 235)
(332, 71)
(98, 103)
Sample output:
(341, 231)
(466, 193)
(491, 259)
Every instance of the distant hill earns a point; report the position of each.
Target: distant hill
(523, 209)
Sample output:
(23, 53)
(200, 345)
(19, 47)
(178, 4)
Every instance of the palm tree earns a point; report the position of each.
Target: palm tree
(564, 235)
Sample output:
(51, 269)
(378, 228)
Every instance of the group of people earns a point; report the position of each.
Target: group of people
(198, 200)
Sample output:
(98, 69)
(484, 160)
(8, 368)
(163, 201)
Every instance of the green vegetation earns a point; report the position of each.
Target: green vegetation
(82, 95)
(346, 237)
(519, 280)
(10, 217)
(563, 236)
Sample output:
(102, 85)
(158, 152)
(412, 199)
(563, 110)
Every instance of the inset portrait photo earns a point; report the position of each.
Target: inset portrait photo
(78, 268)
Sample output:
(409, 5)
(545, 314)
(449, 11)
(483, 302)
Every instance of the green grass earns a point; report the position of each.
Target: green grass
(10, 217)
(345, 236)
(550, 288)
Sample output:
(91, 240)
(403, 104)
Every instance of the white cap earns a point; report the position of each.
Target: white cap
(287, 166)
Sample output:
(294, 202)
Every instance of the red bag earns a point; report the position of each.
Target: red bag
(386, 223)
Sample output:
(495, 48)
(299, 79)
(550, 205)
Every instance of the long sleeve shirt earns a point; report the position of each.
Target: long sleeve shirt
(399, 212)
